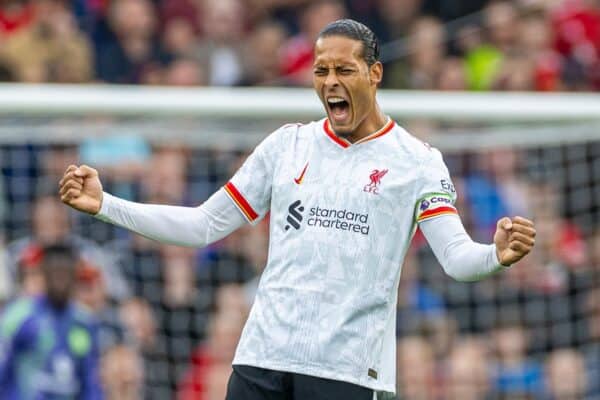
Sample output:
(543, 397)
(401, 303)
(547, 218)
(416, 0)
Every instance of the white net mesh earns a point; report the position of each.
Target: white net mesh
(509, 336)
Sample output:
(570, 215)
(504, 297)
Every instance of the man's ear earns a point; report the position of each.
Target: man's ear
(376, 73)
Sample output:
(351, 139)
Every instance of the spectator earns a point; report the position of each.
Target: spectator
(179, 37)
(537, 38)
(141, 332)
(131, 45)
(122, 374)
(67, 362)
(15, 15)
(298, 51)
(50, 49)
(514, 375)
(211, 362)
(426, 52)
(501, 23)
(566, 375)
(591, 349)
(90, 291)
(220, 51)
(185, 72)
(467, 375)
(417, 378)
(263, 55)
(50, 224)
(30, 280)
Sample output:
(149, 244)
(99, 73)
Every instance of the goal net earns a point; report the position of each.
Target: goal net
(528, 332)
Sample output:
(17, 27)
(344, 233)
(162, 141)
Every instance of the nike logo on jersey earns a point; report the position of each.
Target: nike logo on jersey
(299, 179)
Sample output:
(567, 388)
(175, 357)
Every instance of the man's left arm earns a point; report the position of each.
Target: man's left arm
(460, 256)
(465, 260)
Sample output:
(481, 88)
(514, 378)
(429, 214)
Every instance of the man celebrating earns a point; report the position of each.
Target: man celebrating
(48, 347)
(346, 195)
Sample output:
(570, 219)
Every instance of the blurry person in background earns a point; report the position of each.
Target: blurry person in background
(181, 315)
(51, 49)
(168, 182)
(496, 188)
(15, 15)
(220, 48)
(139, 323)
(185, 72)
(427, 49)
(591, 349)
(536, 39)
(179, 38)
(566, 375)
(130, 45)
(262, 55)
(417, 378)
(141, 334)
(122, 374)
(467, 371)
(514, 375)
(395, 18)
(451, 75)
(576, 25)
(484, 62)
(516, 74)
(211, 361)
(501, 21)
(298, 50)
(50, 223)
(90, 291)
(6, 284)
(49, 345)
(30, 279)
(418, 303)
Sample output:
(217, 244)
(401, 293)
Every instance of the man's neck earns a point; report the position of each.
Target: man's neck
(371, 124)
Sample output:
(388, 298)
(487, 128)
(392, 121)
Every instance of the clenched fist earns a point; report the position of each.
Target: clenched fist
(514, 238)
(81, 189)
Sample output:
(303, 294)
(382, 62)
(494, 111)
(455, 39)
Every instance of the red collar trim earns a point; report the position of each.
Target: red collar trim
(345, 144)
(342, 142)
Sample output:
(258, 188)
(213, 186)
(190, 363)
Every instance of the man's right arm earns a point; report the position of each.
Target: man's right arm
(183, 226)
(81, 189)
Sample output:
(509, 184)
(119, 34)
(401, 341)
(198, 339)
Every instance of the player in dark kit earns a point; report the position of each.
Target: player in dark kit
(346, 195)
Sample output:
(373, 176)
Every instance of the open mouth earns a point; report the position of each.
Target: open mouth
(339, 109)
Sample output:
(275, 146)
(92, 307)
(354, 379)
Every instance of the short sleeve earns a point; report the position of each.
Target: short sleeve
(250, 187)
(436, 194)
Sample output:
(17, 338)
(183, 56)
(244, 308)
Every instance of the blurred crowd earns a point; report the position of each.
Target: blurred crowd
(543, 45)
(168, 318)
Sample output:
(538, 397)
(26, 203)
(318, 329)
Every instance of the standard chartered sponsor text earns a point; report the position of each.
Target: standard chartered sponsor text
(343, 220)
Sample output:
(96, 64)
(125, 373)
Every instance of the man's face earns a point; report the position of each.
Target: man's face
(344, 82)
(59, 274)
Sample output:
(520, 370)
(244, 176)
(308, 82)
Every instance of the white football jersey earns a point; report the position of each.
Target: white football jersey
(342, 217)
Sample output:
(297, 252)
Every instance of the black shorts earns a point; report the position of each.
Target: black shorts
(252, 383)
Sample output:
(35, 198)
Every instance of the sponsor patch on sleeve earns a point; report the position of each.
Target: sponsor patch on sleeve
(433, 205)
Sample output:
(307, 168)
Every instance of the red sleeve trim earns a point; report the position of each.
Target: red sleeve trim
(436, 212)
(241, 202)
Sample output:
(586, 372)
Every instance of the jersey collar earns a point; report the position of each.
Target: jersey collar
(345, 143)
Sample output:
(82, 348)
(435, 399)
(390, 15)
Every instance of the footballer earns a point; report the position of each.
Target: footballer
(346, 195)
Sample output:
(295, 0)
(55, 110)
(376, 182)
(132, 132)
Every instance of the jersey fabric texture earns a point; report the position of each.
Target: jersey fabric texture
(341, 219)
(47, 354)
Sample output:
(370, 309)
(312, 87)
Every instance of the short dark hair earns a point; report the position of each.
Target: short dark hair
(60, 251)
(355, 30)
